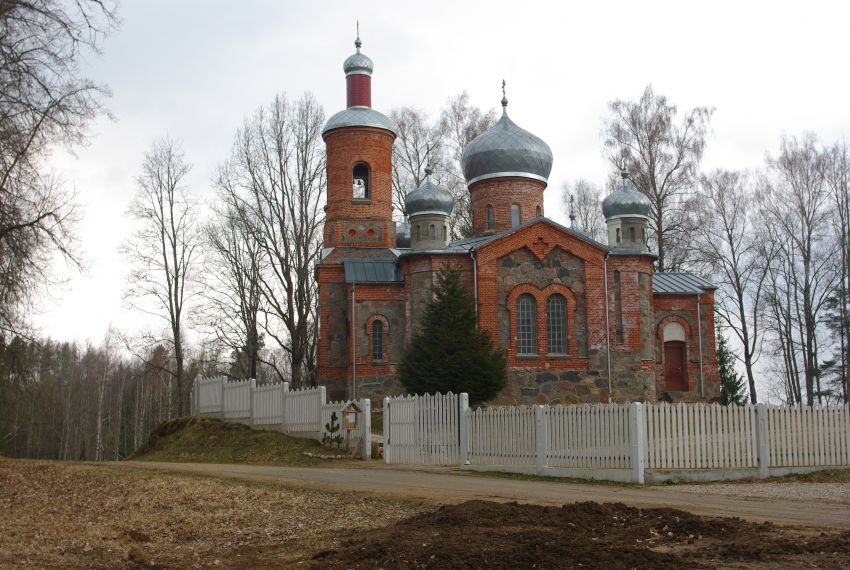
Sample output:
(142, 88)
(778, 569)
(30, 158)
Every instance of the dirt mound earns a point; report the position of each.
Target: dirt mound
(480, 534)
(204, 440)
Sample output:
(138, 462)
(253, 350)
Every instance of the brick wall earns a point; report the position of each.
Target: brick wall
(501, 193)
(366, 223)
(682, 309)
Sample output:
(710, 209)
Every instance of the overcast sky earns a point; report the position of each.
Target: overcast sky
(195, 69)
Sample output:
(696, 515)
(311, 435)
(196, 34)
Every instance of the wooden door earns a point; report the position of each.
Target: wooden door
(675, 377)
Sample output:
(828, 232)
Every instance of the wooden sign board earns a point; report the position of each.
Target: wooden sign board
(350, 415)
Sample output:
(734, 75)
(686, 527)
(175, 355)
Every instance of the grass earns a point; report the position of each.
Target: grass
(202, 440)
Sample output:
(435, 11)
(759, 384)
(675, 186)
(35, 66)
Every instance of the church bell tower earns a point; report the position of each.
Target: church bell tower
(359, 144)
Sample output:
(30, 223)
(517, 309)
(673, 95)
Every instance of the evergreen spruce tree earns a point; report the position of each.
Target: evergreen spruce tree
(449, 353)
(732, 385)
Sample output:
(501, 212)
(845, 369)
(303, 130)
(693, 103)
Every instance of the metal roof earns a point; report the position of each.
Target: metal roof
(679, 284)
(359, 116)
(359, 271)
(429, 198)
(506, 150)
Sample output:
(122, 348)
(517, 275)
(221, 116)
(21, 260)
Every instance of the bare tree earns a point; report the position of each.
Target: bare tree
(163, 252)
(837, 175)
(419, 143)
(276, 175)
(736, 254)
(460, 123)
(662, 158)
(795, 201)
(44, 103)
(233, 290)
(583, 199)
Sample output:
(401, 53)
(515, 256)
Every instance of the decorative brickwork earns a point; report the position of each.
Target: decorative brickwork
(501, 194)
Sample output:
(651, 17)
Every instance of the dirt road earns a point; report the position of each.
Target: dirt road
(453, 486)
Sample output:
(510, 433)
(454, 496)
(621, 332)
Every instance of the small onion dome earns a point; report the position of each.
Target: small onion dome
(506, 150)
(402, 235)
(359, 117)
(358, 62)
(626, 203)
(429, 198)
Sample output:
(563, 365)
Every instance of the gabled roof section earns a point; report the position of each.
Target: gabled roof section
(679, 284)
(478, 241)
(361, 271)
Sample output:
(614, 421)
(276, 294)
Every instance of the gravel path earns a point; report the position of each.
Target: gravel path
(808, 492)
(452, 486)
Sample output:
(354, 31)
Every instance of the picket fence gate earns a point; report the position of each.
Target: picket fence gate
(422, 430)
(621, 442)
(302, 413)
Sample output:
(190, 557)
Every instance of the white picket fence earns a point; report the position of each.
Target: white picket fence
(622, 442)
(422, 430)
(358, 438)
(274, 406)
(696, 436)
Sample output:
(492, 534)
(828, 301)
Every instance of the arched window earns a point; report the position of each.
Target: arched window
(526, 324)
(418, 232)
(377, 340)
(675, 353)
(618, 235)
(643, 236)
(538, 212)
(444, 233)
(489, 217)
(556, 319)
(360, 181)
(631, 234)
(514, 215)
(432, 232)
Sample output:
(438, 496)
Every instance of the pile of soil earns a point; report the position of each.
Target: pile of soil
(482, 534)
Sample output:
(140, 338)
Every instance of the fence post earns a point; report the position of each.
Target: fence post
(386, 414)
(540, 437)
(222, 397)
(366, 408)
(463, 428)
(321, 402)
(637, 441)
(252, 385)
(762, 443)
(283, 395)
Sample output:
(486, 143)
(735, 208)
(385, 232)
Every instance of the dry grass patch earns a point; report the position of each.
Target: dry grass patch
(56, 515)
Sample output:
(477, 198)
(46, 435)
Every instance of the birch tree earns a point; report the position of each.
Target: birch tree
(736, 254)
(796, 199)
(662, 156)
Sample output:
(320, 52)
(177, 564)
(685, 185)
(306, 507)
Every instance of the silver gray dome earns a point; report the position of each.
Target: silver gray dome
(626, 203)
(429, 199)
(358, 62)
(359, 117)
(402, 235)
(506, 150)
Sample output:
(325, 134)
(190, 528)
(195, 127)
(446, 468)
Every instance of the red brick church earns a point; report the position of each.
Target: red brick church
(581, 321)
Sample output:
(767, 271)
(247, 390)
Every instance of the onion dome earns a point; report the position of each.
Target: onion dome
(402, 235)
(358, 63)
(626, 202)
(506, 150)
(359, 117)
(429, 198)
